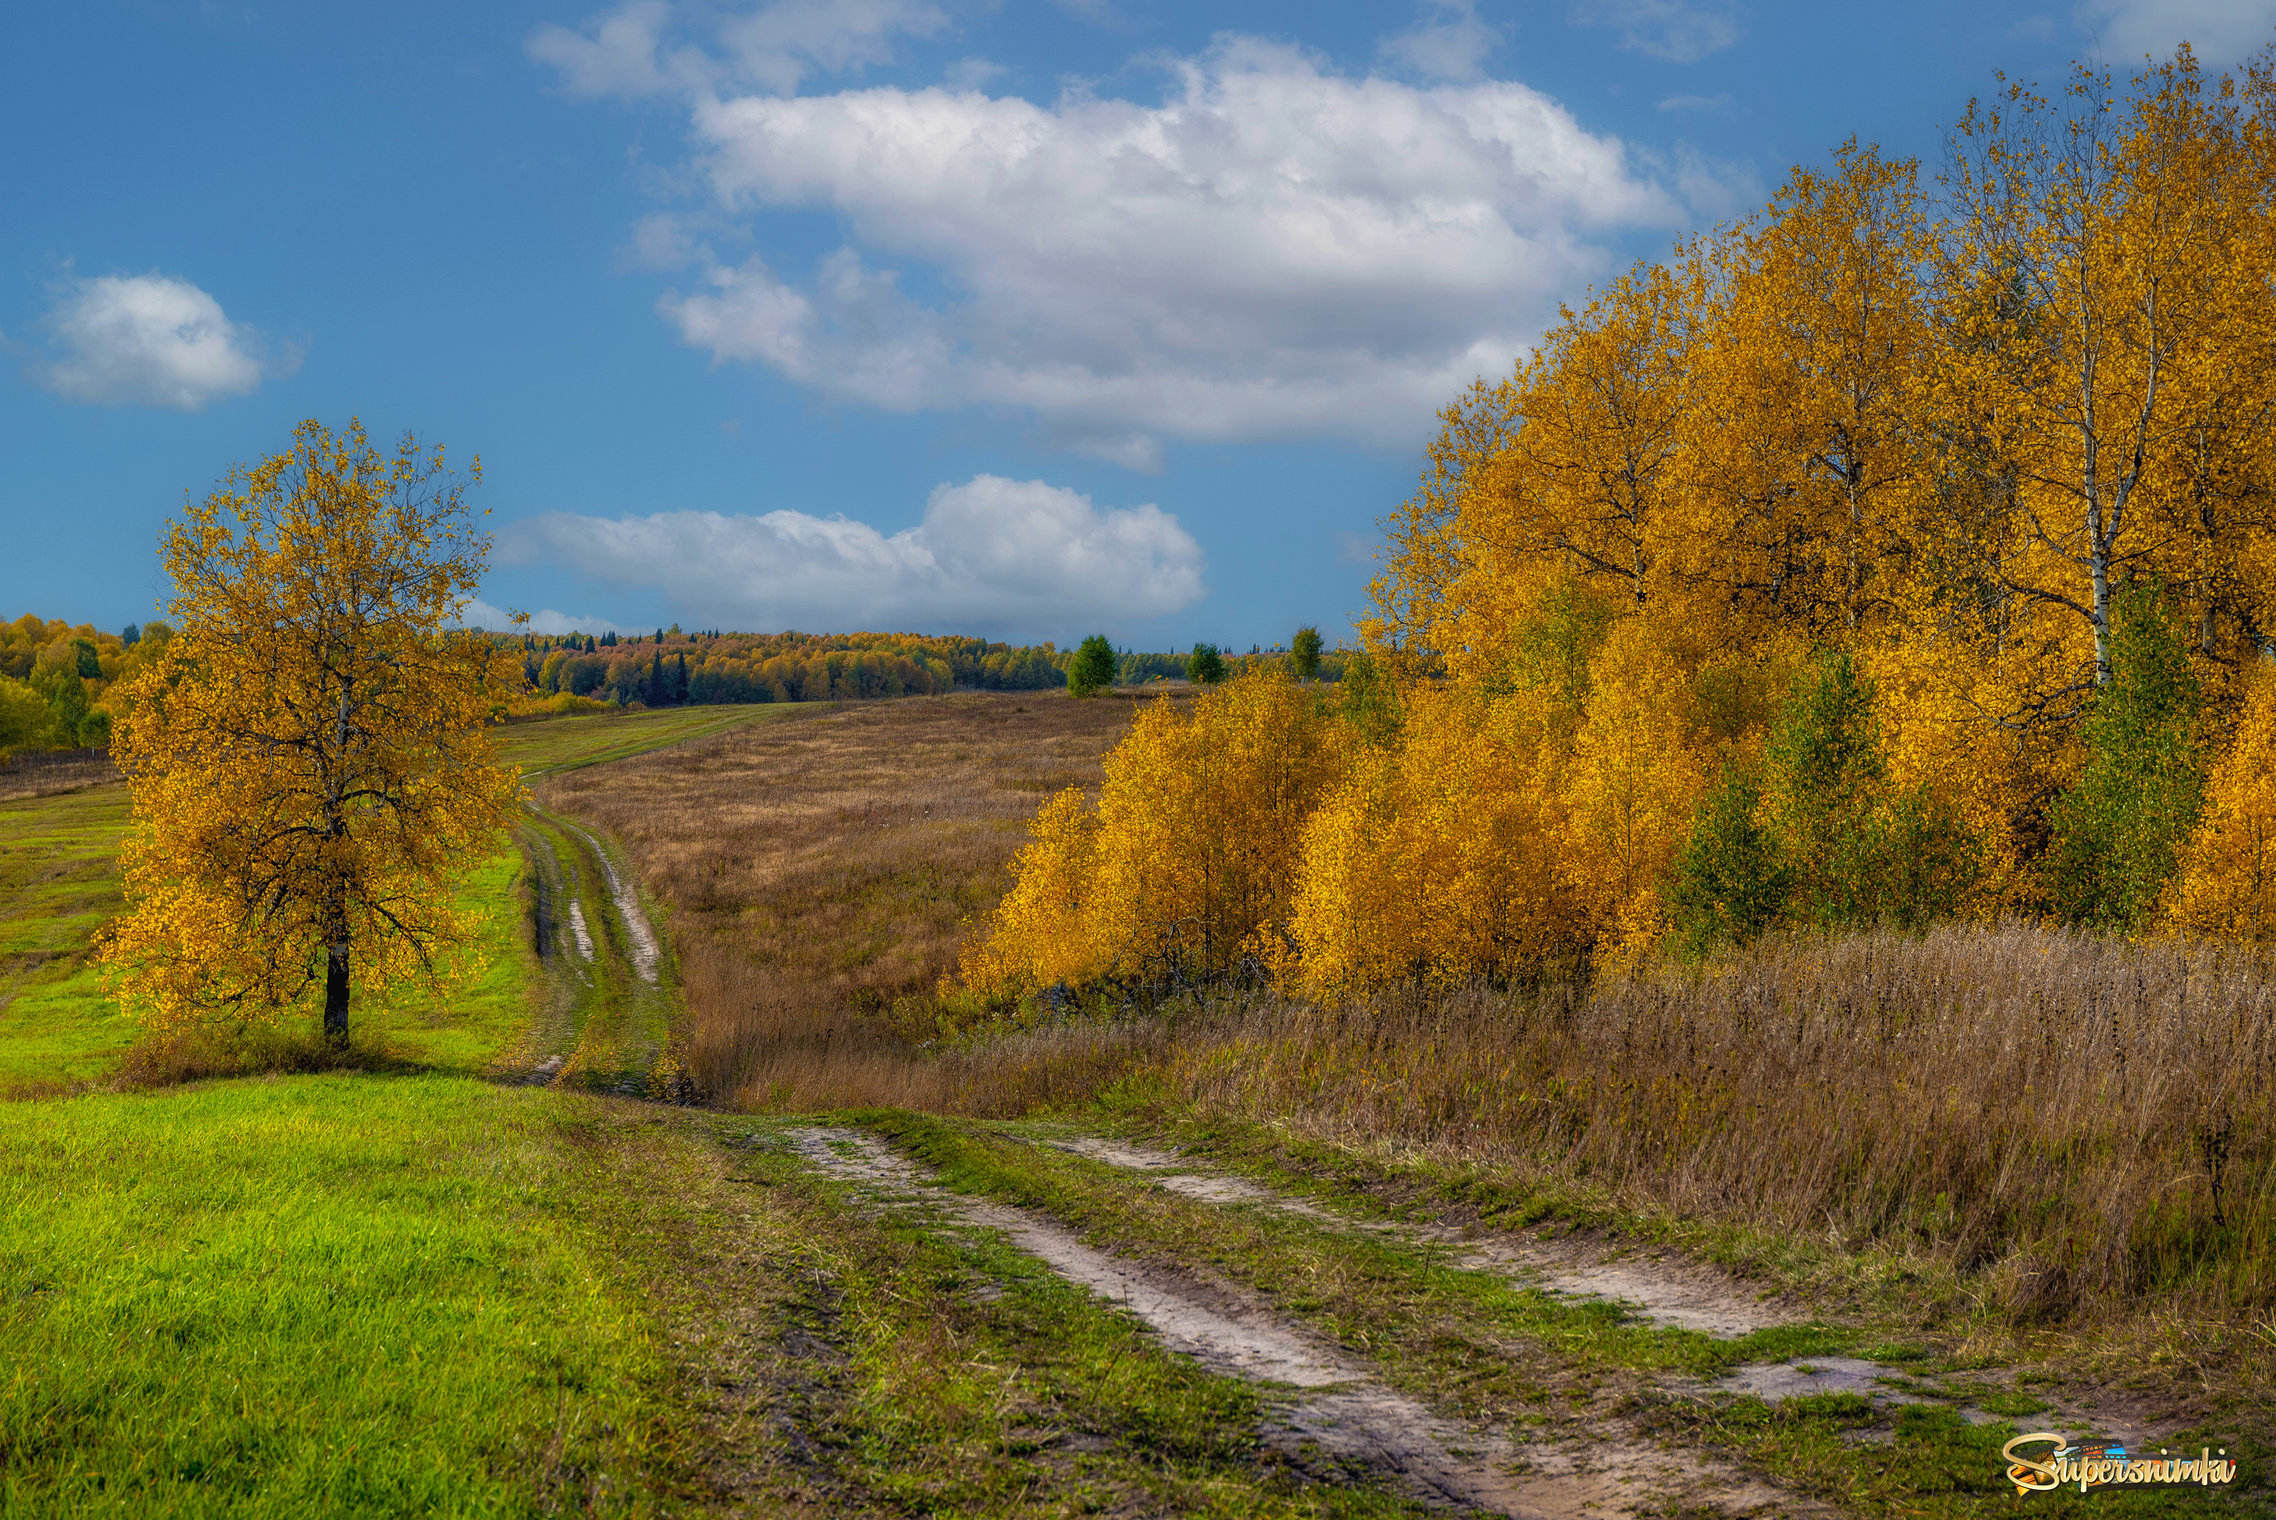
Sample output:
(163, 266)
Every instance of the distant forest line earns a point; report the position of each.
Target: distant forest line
(60, 683)
(671, 668)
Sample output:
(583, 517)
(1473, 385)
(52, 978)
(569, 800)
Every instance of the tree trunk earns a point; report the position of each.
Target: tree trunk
(336, 994)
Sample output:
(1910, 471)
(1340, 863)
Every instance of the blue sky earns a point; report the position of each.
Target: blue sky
(1024, 318)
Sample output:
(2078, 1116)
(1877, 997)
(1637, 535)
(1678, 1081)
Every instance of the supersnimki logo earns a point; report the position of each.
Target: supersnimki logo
(2102, 1464)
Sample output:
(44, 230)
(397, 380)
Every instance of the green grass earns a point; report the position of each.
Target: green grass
(1431, 1326)
(1924, 1460)
(59, 883)
(470, 1028)
(426, 1294)
(599, 1014)
(416, 1291)
(341, 1294)
(1481, 1347)
(928, 1369)
(567, 744)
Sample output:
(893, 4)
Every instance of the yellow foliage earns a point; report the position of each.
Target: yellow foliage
(1040, 935)
(2226, 884)
(1837, 435)
(309, 755)
(1637, 773)
(1437, 858)
(1190, 862)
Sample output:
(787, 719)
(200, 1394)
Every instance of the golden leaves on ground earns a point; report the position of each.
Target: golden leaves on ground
(309, 757)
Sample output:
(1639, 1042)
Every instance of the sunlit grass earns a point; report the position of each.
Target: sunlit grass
(567, 744)
(59, 883)
(298, 1296)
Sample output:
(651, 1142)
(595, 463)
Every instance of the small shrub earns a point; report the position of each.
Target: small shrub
(1729, 883)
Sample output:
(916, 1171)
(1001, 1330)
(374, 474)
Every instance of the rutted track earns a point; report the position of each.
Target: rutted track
(1678, 1294)
(605, 1009)
(1330, 1404)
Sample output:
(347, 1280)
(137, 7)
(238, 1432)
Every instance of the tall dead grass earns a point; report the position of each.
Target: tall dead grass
(2062, 1117)
(42, 773)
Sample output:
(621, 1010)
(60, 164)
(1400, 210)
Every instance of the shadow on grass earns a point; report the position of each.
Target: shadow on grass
(198, 1054)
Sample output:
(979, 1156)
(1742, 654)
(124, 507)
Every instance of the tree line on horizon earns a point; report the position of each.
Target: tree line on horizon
(672, 668)
(1903, 552)
(56, 680)
(63, 687)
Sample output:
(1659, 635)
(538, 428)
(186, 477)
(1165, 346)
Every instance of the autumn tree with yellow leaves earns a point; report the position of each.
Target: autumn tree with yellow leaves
(310, 759)
(1905, 551)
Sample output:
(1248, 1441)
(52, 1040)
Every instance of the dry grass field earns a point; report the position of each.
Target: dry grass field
(2065, 1123)
(42, 775)
(2069, 1124)
(819, 874)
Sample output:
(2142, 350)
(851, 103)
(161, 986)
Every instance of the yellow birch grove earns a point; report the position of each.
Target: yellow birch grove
(1904, 551)
(310, 759)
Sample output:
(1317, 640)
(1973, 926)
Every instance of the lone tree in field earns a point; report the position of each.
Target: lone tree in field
(1304, 653)
(1205, 666)
(310, 760)
(1092, 669)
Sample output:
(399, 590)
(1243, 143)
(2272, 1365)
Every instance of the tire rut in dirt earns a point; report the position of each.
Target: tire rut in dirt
(1677, 1294)
(1673, 1294)
(1330, 1406)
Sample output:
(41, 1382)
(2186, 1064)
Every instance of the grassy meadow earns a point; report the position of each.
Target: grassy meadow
(59, 882)
(2020, 1160)
(407, 1287)
(345, 1293)
(359, 1291)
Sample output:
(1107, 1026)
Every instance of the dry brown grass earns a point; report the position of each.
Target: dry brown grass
(2062, 1118)
(2065, 1124)
(42, 774)
(824, 870)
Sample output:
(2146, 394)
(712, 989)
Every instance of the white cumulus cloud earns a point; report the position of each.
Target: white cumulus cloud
(1449, 42)
(615, 55)
(1674, 31)
(148, 340)
(633, 50)
(2221, 31)
(992, 556)
(1273, 249)
(778, 45)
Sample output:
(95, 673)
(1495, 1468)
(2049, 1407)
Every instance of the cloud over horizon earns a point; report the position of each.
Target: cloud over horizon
(993, 556)
(2223, 32)
(485, 615)
(149, 340)
(1275, 249)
